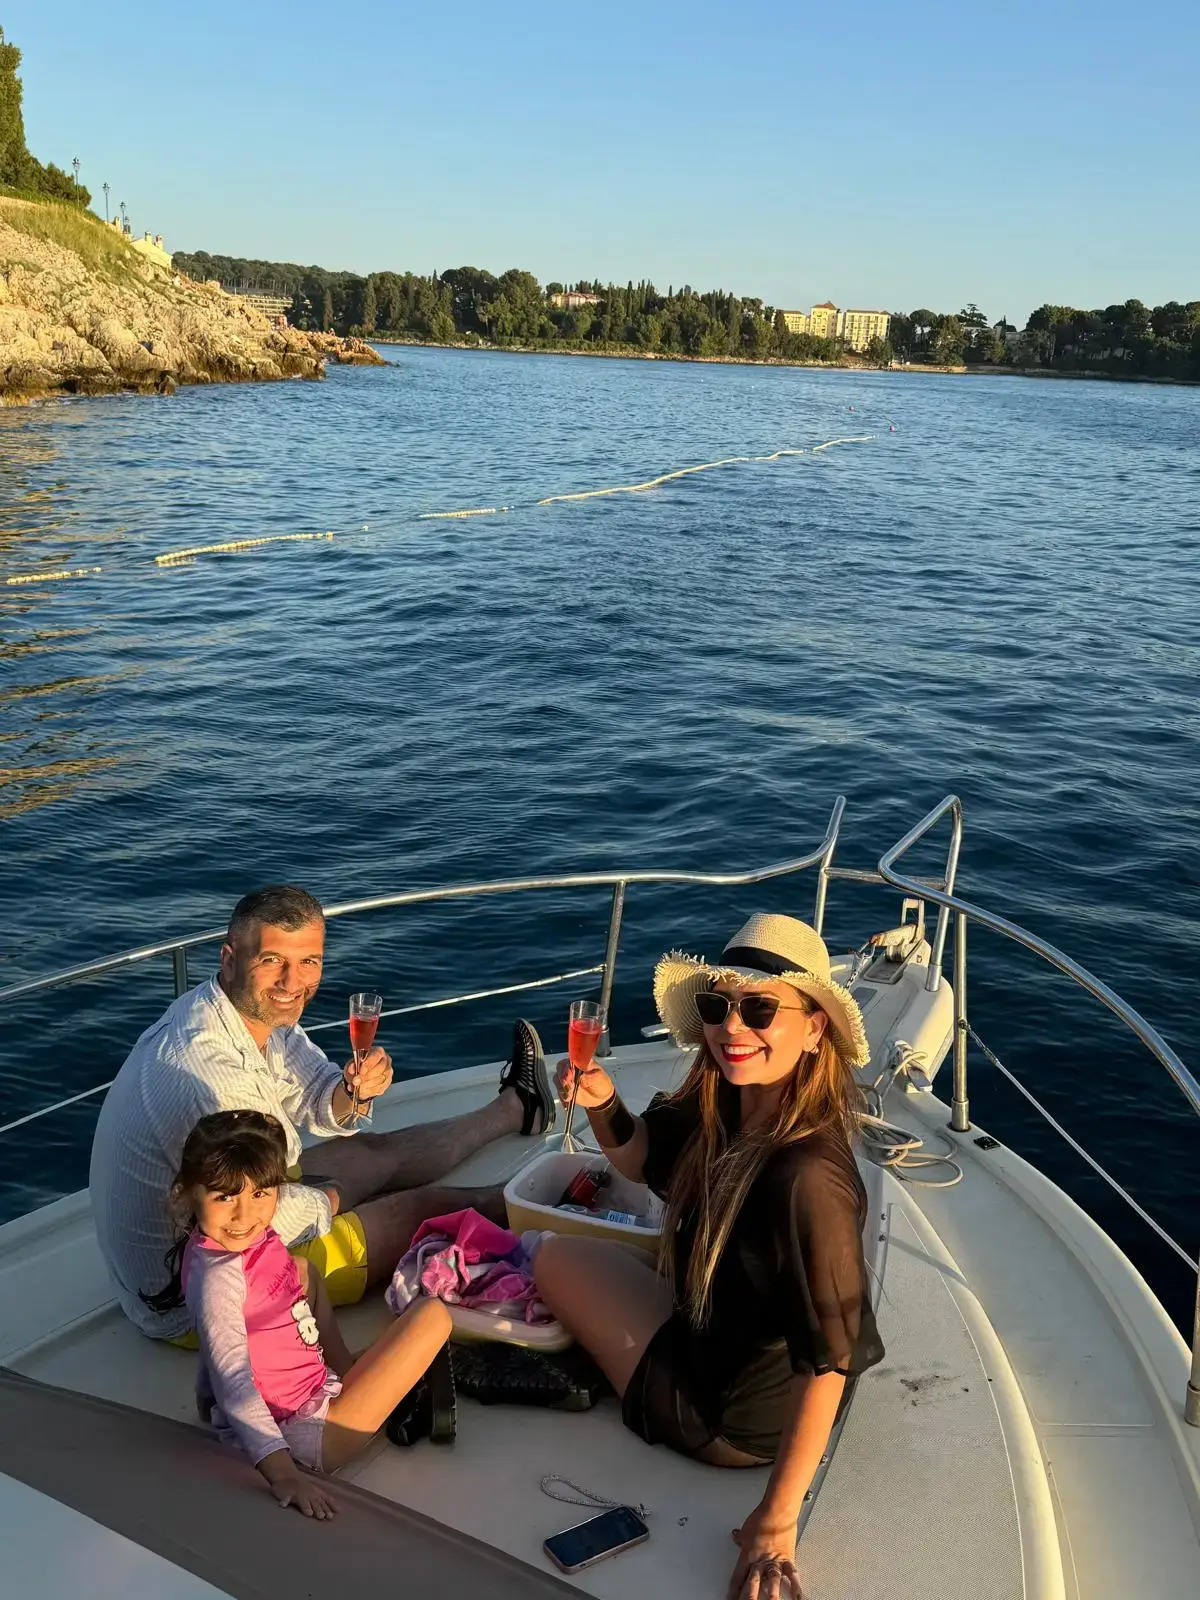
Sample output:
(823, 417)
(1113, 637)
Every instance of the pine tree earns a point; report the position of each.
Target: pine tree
(13, 154)
(18, 168)
(370, 308)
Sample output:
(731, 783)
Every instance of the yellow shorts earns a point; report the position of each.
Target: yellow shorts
(340, 1256)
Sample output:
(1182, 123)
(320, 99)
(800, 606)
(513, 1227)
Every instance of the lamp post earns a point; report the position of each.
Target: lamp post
(105, 186)
(75, 169)
(124, 218)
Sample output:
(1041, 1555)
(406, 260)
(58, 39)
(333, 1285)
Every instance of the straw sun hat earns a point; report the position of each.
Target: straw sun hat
(767, 947)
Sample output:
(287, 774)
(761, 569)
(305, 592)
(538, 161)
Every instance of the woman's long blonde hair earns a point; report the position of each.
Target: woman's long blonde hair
(716, 1170)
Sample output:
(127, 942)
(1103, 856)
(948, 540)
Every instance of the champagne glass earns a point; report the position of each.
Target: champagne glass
(364, 1019)
(584, 1031)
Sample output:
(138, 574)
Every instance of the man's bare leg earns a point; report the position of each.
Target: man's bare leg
(390, 1220)
(385, 1163)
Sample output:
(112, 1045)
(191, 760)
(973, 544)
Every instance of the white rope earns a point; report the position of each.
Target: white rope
(904, 1154)
(1080, 1151)
(899, 1149)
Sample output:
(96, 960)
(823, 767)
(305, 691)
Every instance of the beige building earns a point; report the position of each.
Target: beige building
(572, 299)
(152, 247)
(858, 328)
(824, 321)
(855, 329)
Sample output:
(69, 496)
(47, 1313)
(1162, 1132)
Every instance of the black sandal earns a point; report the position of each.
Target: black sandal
(525, 1071)
(428, 1410)
(508, 1374)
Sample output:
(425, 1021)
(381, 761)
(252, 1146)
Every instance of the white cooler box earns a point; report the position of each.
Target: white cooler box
(531, 1198)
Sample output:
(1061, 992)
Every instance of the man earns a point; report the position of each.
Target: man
(235, 1043)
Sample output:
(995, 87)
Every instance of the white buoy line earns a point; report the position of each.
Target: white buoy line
(189, 555)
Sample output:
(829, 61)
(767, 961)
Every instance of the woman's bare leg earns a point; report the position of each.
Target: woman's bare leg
(610, 1298)
(380, 1379)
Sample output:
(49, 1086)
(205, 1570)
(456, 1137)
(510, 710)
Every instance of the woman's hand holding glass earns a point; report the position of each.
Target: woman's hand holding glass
(595, 1085)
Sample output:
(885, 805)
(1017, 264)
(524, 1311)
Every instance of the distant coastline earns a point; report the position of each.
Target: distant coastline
(632, 353)
(465, 306)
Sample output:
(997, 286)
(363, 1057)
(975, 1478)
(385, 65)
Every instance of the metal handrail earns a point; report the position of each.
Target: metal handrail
(1149, 1035)
(965, 912)
(316, 1027)
(940, 890)
(411, 897)
(177, 948)
(465, 999)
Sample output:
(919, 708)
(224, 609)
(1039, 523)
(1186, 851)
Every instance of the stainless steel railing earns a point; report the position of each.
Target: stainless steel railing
(820, 857)
(940, 890)
(966, 912)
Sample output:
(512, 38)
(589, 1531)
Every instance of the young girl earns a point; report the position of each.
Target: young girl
(273, 1366)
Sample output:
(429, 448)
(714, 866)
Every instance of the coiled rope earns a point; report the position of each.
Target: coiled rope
(904, 1154)
(898, 1149)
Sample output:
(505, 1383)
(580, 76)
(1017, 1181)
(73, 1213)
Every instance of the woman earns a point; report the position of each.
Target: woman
(737, 1353)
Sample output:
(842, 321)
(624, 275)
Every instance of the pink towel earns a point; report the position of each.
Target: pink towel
(464, 1259)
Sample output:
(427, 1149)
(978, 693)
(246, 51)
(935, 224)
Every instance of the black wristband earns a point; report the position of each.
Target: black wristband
(611, 1123)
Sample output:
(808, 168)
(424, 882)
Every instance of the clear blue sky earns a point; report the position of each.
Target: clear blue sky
(878, 155)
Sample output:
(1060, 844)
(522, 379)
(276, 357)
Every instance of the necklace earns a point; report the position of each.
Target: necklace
(582, 1496)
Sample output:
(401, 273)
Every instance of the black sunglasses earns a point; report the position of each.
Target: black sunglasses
(757, 1011)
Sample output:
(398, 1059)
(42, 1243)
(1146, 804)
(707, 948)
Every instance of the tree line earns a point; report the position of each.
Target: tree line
(19, 170)
(469, 305)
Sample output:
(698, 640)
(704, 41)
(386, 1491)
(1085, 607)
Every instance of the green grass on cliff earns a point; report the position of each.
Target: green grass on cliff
(100, 248)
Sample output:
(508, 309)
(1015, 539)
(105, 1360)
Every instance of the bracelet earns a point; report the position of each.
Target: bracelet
(612, 1123)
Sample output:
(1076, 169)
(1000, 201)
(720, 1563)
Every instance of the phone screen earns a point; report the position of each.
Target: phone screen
(593, 1540)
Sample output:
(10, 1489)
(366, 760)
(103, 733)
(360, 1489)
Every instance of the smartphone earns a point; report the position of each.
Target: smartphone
(589, 1542)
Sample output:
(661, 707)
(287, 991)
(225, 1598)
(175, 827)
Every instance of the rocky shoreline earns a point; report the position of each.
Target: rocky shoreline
(83, 313)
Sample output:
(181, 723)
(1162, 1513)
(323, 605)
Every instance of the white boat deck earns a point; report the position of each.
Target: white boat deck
(1022, 1439)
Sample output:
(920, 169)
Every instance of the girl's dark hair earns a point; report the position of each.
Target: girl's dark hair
(222, 1152)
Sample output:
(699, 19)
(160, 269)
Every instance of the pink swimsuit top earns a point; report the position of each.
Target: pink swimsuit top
(260, 1355)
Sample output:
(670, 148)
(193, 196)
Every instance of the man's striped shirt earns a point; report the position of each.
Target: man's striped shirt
(199, 1057)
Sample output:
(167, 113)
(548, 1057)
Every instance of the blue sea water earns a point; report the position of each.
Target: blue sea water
(998, 598)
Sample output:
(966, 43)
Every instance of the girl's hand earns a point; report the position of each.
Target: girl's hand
(291, 1488)
(595, 1085)
(306, 1494)
(766, 1567)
